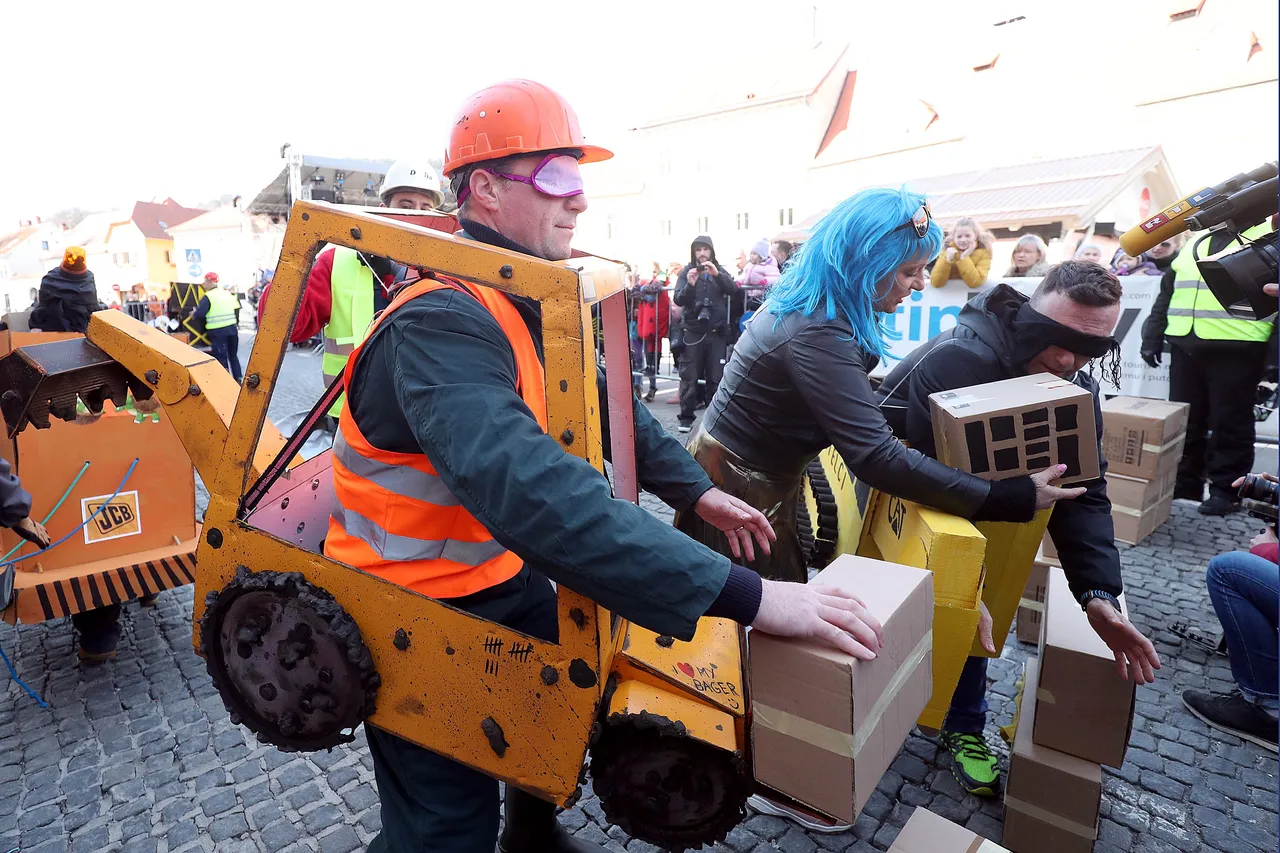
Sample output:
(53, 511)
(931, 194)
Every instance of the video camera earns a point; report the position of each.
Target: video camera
(1236, 277)
(1260, 498)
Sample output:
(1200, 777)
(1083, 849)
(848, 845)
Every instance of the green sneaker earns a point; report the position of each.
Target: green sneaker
(974, 765)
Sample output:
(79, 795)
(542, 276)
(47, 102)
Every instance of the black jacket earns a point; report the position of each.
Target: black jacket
(439, 378)
(66, 301)
(694, 287)
(978, 350)
(798, 385)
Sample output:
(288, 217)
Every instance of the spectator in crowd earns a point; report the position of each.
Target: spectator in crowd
(966, 256)
(1089, 252)
(782, 252)
(761, 270)
(653, 319)
(1123, 264)
(1030, 258)
(703, 290)
(1244, 588)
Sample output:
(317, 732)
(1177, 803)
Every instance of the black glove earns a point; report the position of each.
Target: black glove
(1151, 357)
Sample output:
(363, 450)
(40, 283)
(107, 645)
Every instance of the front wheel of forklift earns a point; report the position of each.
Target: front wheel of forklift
(660, 785)
(288, 660)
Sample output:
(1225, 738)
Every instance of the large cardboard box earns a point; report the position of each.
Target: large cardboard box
(1133, 525)
(1143, 438)
(1139, 494)
(925, 832)
(1052, 799)
(1031, 607)
(1017, 426)
(826, 726)
(1085, 708)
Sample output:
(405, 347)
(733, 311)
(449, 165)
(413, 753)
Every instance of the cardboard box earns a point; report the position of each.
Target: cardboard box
(1132, 525)
(1031, 608)
(925, 832)
(826, 726)
(1085, 708)
(1139, 494)
(1017, 426)
(1143, 438)
(1052, 799)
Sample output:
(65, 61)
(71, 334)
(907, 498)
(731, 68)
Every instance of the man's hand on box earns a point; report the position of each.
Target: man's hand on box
(985, 627)
(738, 520)
(824, 613)
(1136, 658)
(1048, 494)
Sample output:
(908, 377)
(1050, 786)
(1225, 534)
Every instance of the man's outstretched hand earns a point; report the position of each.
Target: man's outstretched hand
(823, 613)
(739, 521)
(1136, 658)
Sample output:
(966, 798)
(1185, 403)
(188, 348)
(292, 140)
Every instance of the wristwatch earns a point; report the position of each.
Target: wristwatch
(1098, 593)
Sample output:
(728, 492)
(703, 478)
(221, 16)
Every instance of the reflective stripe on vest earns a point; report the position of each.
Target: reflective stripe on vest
(1193, 309)
(395, 517)
(351, 312)
(222, 309)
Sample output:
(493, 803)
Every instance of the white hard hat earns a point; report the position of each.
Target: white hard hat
(407, 175)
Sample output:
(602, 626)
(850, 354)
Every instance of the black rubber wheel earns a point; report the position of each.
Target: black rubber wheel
(287, 660)
(828, 520)
(659, 785)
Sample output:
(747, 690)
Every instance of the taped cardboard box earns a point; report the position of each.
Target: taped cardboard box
(1143, 438)
(826, 726)
(1031, 607)
(1139, 494)
(1017, 426)
(1132, 525)
(925, 832)
(1052, 800)
(1085, 707)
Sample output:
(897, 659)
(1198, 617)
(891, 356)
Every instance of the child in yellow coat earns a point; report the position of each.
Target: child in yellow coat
(966, 256)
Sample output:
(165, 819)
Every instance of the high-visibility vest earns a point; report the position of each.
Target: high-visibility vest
(351, 312)
(1194, 309)
(394, 516)
(222, 309)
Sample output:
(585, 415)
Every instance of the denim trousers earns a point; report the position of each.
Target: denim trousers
(1244, 589)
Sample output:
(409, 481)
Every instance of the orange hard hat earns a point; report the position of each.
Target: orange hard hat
(515, 117)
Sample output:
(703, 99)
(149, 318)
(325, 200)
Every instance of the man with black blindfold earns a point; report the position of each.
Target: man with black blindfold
(1065, 325)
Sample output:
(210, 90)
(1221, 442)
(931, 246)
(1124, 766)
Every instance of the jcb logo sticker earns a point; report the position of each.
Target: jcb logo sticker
(118, 517)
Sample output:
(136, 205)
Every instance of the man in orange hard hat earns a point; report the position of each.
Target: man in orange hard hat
(447, 482)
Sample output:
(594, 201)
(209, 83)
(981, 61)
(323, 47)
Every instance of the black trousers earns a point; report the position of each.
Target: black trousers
(226, 351)
(430, 802)
(1220, 383)
(703, 359)
(651, 361)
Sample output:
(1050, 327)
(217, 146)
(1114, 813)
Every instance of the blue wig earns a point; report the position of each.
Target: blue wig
(850, 260)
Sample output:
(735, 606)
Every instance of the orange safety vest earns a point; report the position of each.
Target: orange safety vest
(395, 517)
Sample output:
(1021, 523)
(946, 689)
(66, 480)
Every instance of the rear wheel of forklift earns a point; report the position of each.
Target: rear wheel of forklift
(660, 785)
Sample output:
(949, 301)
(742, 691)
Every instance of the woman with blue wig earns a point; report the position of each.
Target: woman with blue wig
(798, 383)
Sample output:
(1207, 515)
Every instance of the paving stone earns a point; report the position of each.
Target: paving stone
(1163, 785)
(796, 841)
(304, 796)
(227, 826)
(321, 818)
(886, 835)
(278, 835)
(1178, 752)
(1110, 832)
(910, 768)
(770, 827)
(1130, 816)
(985, 826)
(218, 801)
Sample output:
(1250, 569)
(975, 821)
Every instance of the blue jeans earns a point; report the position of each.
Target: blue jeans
(968, 712)
(1244, 589)
(226, 351)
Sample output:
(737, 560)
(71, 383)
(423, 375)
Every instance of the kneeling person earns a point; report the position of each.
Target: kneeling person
(1002, 334)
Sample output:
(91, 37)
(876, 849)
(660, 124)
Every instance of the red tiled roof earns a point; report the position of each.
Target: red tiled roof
(153, 219)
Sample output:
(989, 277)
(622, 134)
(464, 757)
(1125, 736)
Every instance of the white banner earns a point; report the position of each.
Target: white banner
(933, 310)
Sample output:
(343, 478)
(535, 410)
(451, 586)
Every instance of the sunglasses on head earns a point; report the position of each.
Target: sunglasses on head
(919, 221)
(556, 176)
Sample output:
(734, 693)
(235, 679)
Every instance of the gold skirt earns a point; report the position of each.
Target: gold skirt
(778, 497)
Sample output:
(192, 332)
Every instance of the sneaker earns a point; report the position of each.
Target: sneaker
(685, 428)
(1232, 713)
(1219, 505)
(973, 763)
(760, 805)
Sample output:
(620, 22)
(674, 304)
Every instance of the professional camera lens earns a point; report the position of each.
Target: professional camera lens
(1258, 488)
(1236, 279)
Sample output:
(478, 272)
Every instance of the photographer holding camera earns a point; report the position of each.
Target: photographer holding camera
(702, 290)
(1244, 588)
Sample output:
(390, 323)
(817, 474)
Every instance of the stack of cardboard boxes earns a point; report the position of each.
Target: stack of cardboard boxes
(1142, 441)
(1075, 715)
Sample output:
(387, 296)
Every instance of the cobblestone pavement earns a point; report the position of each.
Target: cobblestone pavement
(139, 755)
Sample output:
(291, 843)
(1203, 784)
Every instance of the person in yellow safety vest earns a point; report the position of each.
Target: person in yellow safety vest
(1216, 362)
(340, 299)
(219, 309)
(446, 481)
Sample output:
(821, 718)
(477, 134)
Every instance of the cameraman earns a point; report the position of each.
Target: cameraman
(702, 290)
(1244, 589)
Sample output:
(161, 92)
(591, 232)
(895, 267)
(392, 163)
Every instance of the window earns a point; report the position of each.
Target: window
(666, 227)
(744, 221)
(44, 244)
(122, 259)
(786, 215)
(704, 224)
(168, 257)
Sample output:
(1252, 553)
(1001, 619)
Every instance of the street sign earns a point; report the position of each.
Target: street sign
(194, 270)
(193, 256)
